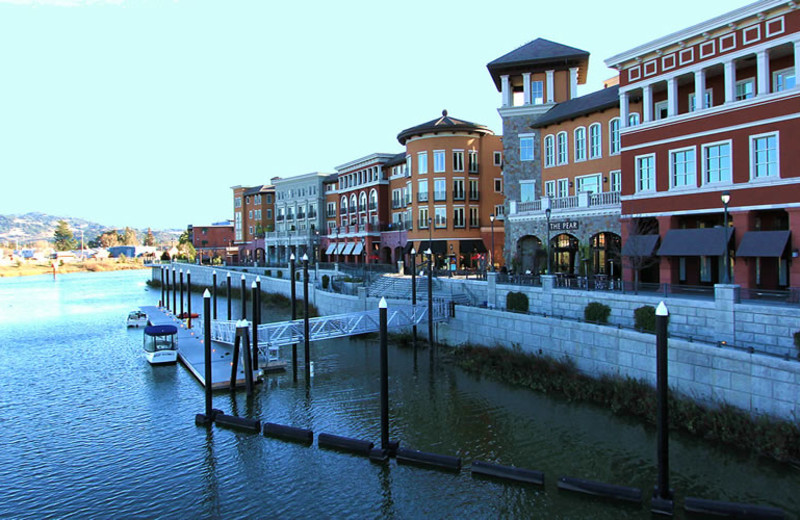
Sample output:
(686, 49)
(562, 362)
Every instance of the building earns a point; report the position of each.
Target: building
(213, 242)
(298, 218)
(709, 158)
(253, 212)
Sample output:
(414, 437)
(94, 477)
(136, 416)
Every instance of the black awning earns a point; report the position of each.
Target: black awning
(695, 242)
(640, 245)
(408, 247)
(472, 246)
(438, 247)
(763, 243)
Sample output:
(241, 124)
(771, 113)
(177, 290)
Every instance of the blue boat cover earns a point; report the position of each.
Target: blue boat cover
(161, 330)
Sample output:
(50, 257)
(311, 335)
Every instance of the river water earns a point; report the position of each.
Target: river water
(89, 430)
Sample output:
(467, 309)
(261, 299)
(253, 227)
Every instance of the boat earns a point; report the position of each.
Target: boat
(137, 319)
(160, 344)
(186, 316)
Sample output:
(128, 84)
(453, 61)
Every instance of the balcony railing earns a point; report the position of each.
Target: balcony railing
(474, 195)
(373, 206)
(279, 218)
(422, 197)
(439, 195)
(604, 199)
(408, 200)
(458, 195)
(397, 204)
(301, 215)
(574, 202)
(423, 224)
(353, 209)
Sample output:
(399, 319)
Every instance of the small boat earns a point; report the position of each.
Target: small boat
(160, 345)
(137, 319)
(186, 316)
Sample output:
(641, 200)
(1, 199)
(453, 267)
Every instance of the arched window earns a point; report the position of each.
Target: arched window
(362, 202)
(353, 203)
(549, 151)
(373, 200)
(343, 204)
(561, 141)
(633, 119)
(580, 144)
(595, 141)
(613, 136)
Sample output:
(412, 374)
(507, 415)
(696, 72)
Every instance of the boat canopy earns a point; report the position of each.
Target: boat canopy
(161, 330)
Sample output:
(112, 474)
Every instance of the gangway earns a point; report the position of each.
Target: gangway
(283, 333)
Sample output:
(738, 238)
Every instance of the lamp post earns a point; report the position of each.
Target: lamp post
(293, 291)
(547, 247)
(337, 245)
(430, 298)
(414, 296)
(491, 256)
(726, 198)
(305, 318)
(364, 263)
(430, 243)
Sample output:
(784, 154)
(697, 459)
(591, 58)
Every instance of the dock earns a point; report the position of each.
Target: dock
(191, 355)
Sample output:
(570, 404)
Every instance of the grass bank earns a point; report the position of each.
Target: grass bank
(725, 424)
(30, 269)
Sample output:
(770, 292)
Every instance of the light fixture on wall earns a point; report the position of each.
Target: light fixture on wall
(795, 253)
(605, 179)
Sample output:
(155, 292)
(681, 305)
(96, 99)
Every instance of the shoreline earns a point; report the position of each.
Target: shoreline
(87, 266)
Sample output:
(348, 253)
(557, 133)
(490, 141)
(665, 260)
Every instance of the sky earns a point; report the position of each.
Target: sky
(144, 113)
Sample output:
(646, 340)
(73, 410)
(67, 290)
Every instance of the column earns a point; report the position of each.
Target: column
(665, 271)
(623, 109)
(505, 87)
(526, 88)
(762, 67)
(550, 86)
(794, 243)
(797, 63)
(573, 82)
(647, 103)
(672, 97)
(730, 81)
(744, 269)
(700, 89)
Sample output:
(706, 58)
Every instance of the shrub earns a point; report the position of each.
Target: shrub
(280, 274)
(517, 302)
(596, 312)
(326, 281)
(268, 272)
(297, 276)
(797, 343)
(645, 319)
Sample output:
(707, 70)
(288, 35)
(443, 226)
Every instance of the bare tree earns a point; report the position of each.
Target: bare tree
(637, 252)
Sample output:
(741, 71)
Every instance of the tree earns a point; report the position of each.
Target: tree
(64, 241)
(638, 251)
(129, 237)
(187, 251)
(184, 238)
(149, 239)
(108, 238)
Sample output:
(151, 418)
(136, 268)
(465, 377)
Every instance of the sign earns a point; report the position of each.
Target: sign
(565, 225)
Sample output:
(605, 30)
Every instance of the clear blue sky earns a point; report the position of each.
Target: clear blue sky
(145, 113)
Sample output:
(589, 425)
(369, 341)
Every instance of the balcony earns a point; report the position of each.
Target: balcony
(373, 206)
(423, 224)
(439, 195)
(279, 218)
(422, 197)
(301, 215)
(474, 195)
(312, 214)
(408, 200)
(458, 195)
(353, 209)
(397, 204)
(572, 203)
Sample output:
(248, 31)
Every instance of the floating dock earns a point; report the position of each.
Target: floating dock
(191, 355)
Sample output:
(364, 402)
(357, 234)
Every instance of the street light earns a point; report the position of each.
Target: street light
(726, 198)
(430, 239)
(337, 245)
(547, 216)
(364, 264)
(491, 257)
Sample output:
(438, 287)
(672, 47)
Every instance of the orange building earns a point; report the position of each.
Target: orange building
(253, 216)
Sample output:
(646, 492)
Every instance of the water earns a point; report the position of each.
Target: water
(89, 430)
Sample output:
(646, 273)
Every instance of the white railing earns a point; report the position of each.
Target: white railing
(609, 198)
(582, 200)
(564, 202)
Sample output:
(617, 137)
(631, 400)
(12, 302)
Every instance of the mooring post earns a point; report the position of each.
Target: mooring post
(214, 291)
(243, 292)
(430, 299)
(383, 311)
(414, 298)
(181, 289)
(207, 352)
(256, 320)
(228, 295)
(294, 313)
(165, 277)
(162, 284)
(662, 495)
(189, 296)
(174, 291)
(235, 360)
(248, 367)
(305, 317)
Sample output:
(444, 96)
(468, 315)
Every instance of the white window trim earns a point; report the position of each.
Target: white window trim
(703, 168)
(709, 93)
(495, 185)
(528, 182)
(420, 155)
(533, 154)
(444, 159)
(599, 184)
(551, 161)
(559, 161)
(611, 180)
(576, 158)
(638, 119)
(636, 172)
(657, 108)
(546, 184)
(611, 136)
(751, 80)
(782, 71)
(672, 187)
(599, 140)
(463, 160)
(497, 158)
(565, 180)
(752, 138)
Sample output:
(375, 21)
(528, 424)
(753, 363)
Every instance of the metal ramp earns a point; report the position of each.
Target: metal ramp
(283, 333)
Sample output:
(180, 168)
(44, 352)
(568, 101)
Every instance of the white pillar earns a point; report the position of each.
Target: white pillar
(647, 103)
(623, 109)
(762, 67)
(797, 63)
(730, 81)
(573, 82)
(526, 87)
(700, 89)
(505, 87)
(550, 86)
(672, 97)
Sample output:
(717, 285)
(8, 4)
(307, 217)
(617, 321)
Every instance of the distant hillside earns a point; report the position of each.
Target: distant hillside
(31, 227)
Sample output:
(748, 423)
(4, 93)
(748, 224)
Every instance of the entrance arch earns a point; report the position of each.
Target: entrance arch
(605, 248)
(565, 254)
(531, 254)
(386, 255)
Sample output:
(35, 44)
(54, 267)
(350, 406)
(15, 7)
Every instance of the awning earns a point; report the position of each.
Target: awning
(640, 245)
(408, 247)
(695, 242)
(472, 246)
(348, 248)
(358, 249)
(331, 248)
(438, 247)
(763, 243)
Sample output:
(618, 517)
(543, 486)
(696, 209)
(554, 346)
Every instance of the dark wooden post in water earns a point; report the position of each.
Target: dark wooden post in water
(662, 495)
(243, 292)
(305, 317)
(294, 313)
(189, 296)
(165, 277)
(383, 311)
(214, 292)
(229, 296)
(207, 352)
(181, 288)
(162, 285)
(414, 296)
(243, 339)
(430, 299)
(256, 320)
(174, 292)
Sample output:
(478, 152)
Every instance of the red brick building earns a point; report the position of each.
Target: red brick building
(213, 242)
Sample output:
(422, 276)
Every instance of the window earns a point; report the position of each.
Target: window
(258, 214)
(499, 210)
(422, 190)
(645, 173)
(537, 92)
(250, 229)
(257, 200)
(613, 136)
(550, 189)
(683, 168)
(526, 148)
(423, 218)
(408, 164)
(422, 162)
(439, 189)
(250, 215)
(498, 185)
(473, 190)
(563, 188)
(474, 221)
(709, 100)
(527, 191)
(717, 162)
(633, 119)
(745, 89)
(237, 224)
(783, 80)
(237, 202)
(549, 151)
(438, 161)
(589, 183)
(763, 156)
(661, 110)
(458, 161)
(473, 161)
(497, 158)
(580, 144)
(247, 199)
(595, 141)
(458, 189)
(269, 214)
(458, 217)
(269, 199)
(440, 216)
(561, 141)
(397, 198)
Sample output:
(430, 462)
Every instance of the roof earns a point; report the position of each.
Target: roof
(442, 124)
(399, 158)
(580, 106)
(537, 53)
